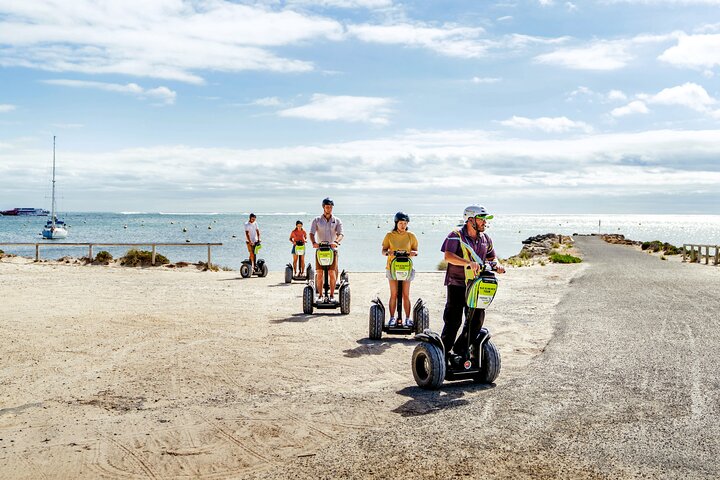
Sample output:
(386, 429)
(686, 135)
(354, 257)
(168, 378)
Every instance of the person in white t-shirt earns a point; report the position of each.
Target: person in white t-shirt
(252, 236)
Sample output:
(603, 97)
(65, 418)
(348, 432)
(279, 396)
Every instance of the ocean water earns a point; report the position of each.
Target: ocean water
(360, 250)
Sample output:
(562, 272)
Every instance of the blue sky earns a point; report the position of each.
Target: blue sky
(528, 106)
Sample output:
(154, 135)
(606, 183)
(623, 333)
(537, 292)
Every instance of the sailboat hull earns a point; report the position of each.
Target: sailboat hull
(56, 234)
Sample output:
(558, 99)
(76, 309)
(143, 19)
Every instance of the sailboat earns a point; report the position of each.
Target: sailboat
(54, 229)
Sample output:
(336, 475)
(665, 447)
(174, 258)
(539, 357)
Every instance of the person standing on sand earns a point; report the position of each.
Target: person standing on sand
(252, 236)
(458, 256)
(328, 229)
(298, 235)
(399, 239)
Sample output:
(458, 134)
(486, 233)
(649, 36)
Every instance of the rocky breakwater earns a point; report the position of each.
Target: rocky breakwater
(619, 239)
(550, 247)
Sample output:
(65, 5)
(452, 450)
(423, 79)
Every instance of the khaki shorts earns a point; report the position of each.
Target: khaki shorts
(251, 247)
(333, 266)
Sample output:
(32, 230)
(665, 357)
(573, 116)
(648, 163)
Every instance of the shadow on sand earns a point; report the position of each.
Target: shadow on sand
(375, 347)
(424, 402)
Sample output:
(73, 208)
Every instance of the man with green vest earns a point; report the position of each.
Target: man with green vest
(457, 248)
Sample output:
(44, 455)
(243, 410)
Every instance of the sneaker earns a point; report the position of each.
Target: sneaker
(392, 322)
(408, 322)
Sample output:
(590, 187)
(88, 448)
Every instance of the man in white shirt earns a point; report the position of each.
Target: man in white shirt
(328, 229)
(252, 235)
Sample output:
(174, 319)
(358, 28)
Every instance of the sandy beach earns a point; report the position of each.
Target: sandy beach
(135, 373)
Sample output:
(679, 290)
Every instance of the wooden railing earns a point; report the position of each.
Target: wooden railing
(91, 245)
(695, 253)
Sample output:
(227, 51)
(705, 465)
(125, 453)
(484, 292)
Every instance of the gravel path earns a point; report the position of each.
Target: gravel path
(628, 387)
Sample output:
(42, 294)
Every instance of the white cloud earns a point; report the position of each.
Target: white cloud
(694, 51)
(547, 124)
(451, 40)
(506, 18)
(6, 107)
(634, 107)
(571, 7)
(690, 95)
(616, 95)
(344, 3)
(601, 55)
(267, 102)
(342, 108)
(163, 94)
(170, 39)
(546, 3)
(665, 161)
(486, 79)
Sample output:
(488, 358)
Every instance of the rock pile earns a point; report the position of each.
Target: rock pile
(542, 245)
(619, 239)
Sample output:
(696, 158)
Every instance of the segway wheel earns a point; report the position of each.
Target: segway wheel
(288, 274)
(345, 299)
(308, 300)
(428, 366)
(490, 368)
(244, 270)
(263, 270)
(376, 322)
(309, 272)
(344, 277)
(422, 320)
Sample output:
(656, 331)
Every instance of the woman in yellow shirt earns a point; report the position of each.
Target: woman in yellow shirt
(399, 239)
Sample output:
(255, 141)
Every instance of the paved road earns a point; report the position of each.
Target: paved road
(628, 387)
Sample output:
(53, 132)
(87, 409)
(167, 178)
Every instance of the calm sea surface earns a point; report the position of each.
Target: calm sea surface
(360, 250)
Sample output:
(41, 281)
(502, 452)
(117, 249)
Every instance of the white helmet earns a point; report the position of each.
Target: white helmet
(476, 211)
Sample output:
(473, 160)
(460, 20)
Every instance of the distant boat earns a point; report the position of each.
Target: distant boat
(54, 228)
(31, 212)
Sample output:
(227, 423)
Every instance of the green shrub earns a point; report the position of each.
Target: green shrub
(442, 265)
(103, 257)
(1, 253)
(142, 258)
(560, 258)
(657, 246)
(516, 261)
(524, 255)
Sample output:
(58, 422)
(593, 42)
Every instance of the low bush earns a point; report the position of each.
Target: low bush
(103, 257)
(658, 246)
(442, 265)
(560, 258)
(142, 258)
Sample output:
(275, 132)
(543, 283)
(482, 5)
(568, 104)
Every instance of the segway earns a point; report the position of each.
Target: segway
(325, 256)
(400, 270)
(481, 361)
(261, 270)
(289, 271)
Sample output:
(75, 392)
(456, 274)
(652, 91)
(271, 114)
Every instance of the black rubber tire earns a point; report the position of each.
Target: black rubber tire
(244, 270)
(428, 366)
(344, 277)
(422, 320)
(490, 368)
(345, 299)
(310, 272)
(264, 270)
(376, 322)
(308, 295)
(288, 274)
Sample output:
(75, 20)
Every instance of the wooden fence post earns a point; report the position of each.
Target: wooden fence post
(152, 262)
(90, 256)
(208, 264)
(37, 252)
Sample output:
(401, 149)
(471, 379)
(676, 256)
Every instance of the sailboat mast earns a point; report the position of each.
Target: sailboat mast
(52, 217)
